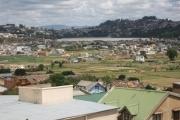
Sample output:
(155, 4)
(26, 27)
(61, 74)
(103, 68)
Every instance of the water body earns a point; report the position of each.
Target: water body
(101, 39)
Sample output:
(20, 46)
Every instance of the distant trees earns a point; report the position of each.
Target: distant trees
(20, 72)
(172, 54)
(4, 70)
(58, 79)
(65, 73)
(60, 64)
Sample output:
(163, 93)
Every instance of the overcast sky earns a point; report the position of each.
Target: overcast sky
(83, 12)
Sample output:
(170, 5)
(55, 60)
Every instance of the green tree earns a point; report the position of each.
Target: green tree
(106, 79)
(172, 54)
(122, 77)
(61, 64)
(57, 80)
(41, 67)
(20, 72)
(52, 65)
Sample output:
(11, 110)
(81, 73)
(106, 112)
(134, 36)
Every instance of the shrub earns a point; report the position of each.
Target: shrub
(3, 70)
(122, 77)
(49, 72)
(149, 87)
(20, 72)
(41, 67)
(133, 79)
(68, 73)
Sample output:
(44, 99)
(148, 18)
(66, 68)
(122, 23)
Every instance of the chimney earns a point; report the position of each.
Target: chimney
(46, 96)
(176, 87)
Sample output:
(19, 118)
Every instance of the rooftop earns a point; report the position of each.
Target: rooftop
(139, 102)
(92, 97)
(11, 109)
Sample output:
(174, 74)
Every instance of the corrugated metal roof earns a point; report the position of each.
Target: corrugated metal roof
(92, 97)
(12, 109)
(138, 101)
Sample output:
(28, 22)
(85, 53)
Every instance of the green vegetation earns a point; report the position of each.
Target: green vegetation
(172, 54)
(157, 70)
(3, 70)
(40, 67)
(20, 72)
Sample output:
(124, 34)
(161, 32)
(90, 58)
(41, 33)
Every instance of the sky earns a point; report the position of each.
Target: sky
(83, 12)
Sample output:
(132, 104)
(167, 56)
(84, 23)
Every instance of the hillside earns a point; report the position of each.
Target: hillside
(148, 26)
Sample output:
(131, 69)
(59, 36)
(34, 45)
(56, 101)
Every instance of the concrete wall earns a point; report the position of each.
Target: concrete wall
(167, 106)
(50, 95)
(29, 94)
(55, 95)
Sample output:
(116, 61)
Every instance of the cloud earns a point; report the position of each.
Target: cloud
(83, 12)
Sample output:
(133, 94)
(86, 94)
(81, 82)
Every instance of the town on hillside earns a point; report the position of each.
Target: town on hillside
(89, 60)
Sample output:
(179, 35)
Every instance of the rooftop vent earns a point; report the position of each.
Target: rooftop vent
(48, 95)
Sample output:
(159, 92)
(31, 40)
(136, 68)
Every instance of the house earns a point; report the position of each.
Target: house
(54, 52)
(176, 87)
(23, 50)
(139, 58)
(145, 104)
(41, 103)
(91, 86)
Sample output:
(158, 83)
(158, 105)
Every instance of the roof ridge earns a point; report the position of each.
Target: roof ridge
(139, 89)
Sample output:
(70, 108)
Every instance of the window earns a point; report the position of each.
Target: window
(157, 116)
(176, 115)
(125, 115)
(97, 87)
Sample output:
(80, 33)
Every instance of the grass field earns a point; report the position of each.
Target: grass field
(154, 73)
(26, 59)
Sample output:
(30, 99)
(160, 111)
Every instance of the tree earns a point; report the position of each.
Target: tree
(61, 64)
(57, 80)
(20, 72)
(41, 67)
(52, 65)
(172, 54)
(107, 81)
(122, 77)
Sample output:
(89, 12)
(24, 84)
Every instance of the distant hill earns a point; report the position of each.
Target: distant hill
(56, 27)
(148, 26)
(60, 27)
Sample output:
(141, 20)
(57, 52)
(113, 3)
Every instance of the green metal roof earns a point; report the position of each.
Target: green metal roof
(92, 97)
(139, 102)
